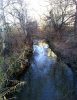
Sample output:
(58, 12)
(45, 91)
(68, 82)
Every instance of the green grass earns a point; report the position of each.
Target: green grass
(1, 60)
(2, 74)
(2, 79)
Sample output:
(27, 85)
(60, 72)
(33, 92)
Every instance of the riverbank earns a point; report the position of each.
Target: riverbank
(47, 78)
(17, 66)
(65, 49)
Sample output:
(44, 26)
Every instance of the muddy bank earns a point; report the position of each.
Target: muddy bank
(65, 51)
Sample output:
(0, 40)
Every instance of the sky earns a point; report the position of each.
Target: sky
(37, 8)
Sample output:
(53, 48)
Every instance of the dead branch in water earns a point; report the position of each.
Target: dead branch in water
(9, 90)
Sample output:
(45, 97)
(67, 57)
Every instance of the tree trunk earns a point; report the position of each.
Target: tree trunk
(3, 34)
(75, 23)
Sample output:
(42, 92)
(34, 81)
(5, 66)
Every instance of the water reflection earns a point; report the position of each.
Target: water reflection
(47, 79)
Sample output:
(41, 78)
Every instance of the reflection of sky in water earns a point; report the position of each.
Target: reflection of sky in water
(48, 82)
(41, 62)
(40, 49)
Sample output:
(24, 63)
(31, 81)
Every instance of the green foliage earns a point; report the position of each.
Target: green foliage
(2, 74)
(1, 65)
(1, 60)
(2, 77)
(14, 62)
(15, 67)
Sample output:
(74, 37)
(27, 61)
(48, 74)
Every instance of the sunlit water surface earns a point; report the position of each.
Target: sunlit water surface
(46, 80)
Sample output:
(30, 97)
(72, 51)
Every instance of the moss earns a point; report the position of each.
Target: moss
(2, 77)
(14, 62)
(1, 98)
(1, 60)
(2, 74)
(13, 68)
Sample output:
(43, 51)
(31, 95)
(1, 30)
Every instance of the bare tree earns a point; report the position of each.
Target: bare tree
(75, 23)
(20, 14)
(3, 23)
(60, 14)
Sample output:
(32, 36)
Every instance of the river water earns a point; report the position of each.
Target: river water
(46, 78)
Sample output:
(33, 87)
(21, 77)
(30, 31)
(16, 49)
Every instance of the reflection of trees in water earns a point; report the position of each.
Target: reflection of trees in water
(34, 86)
(63, 80)
(56, 82)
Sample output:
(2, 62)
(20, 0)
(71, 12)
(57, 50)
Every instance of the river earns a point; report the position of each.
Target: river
(46, 78)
